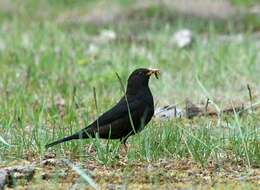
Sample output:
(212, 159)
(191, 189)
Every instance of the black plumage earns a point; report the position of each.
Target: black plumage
(128, 116)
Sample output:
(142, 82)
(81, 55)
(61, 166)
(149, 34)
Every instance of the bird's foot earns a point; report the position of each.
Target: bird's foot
(123, 149)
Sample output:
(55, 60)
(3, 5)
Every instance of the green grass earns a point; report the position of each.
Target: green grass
(41, 66)
(35, 74)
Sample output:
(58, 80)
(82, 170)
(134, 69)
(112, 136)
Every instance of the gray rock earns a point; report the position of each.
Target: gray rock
(3, 176)
(7, 175)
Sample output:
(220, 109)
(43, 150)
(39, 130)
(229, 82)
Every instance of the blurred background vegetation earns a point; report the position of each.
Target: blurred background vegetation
(58, 33)
(243, 14)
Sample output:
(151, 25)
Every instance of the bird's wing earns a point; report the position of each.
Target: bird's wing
(119, 110)
(120, 127)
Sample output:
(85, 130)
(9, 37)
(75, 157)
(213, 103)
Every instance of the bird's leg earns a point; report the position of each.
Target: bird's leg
(123, 143)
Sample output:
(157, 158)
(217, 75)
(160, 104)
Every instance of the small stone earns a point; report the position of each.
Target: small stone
(170, 111)
(182, 38)
(107, 35)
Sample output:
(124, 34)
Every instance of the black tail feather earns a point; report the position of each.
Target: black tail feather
(74, 136)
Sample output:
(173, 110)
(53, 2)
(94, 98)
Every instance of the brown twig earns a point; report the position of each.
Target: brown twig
(74, 91)
(95, 98)
(206, 106)
(96, 104)
(250, 96)
(192, 110)
(128, 108)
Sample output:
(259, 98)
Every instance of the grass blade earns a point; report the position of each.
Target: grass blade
(3, 141)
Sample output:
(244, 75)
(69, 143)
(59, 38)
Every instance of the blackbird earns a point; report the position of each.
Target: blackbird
(129, 116)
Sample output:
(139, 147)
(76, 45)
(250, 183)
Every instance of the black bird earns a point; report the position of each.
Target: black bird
(129, 116)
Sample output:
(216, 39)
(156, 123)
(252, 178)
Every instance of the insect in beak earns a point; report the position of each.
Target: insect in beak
(156, 72)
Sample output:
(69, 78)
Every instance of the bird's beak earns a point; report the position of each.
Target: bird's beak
(156, 72)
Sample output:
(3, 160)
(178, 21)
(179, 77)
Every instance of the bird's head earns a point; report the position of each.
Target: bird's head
(140, 78)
